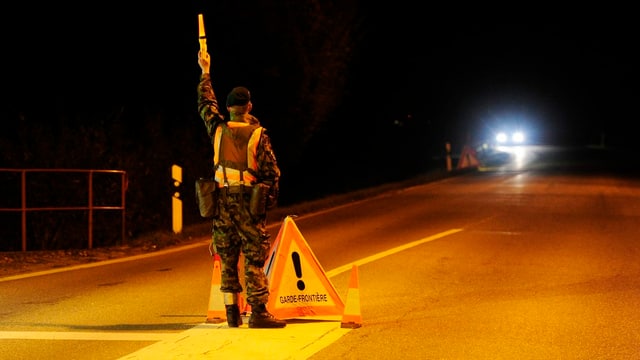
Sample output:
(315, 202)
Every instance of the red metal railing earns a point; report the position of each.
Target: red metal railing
(90, 207)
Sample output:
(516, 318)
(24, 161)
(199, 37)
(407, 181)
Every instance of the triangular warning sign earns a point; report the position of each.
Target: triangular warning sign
(468, 158)
(298, 284)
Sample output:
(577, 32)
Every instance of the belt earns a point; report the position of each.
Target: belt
(236, 189)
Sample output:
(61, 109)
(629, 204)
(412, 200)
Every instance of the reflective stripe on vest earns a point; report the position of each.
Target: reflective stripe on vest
(249, 159)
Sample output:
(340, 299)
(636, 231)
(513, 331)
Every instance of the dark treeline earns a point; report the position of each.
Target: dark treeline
(129, 103)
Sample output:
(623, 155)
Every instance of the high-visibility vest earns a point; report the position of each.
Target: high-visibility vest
(235, 146)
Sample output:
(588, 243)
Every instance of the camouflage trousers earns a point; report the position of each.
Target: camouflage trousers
(236, 231)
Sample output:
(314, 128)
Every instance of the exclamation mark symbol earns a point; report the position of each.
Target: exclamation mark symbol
(298, 267)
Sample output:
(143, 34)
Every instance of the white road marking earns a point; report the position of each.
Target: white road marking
(100, 336)
(300, 339)
(297, 340)
(100, 263)
(382, 254)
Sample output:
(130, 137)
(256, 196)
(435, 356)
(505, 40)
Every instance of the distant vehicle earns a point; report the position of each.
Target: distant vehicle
(508, 128)
(516, 137)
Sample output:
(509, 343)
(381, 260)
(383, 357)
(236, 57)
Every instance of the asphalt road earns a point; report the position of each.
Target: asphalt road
(531, 259)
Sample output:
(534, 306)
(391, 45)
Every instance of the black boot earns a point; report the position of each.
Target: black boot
(233, 315)
(262, 319)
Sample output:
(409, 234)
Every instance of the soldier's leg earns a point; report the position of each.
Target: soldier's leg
(256, 249)
(228, 246)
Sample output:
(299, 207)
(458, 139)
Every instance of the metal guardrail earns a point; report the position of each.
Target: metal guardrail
(90, 207)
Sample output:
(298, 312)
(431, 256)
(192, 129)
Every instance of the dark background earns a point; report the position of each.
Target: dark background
(352, 93)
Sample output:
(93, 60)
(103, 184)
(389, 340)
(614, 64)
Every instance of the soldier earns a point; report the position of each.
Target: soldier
(247, 176)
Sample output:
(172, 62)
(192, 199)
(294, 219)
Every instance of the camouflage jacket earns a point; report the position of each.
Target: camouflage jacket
(208, 105)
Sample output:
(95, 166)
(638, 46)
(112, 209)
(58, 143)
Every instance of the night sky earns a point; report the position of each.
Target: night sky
(570, 73)
(342, 72)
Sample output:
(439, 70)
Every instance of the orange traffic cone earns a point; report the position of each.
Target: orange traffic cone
(245, 308)
(217, 312)
(351, 317)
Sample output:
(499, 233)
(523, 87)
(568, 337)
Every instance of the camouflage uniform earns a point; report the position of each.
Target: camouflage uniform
(235, 229)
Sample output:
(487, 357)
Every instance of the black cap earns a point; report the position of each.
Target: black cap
(238, 96)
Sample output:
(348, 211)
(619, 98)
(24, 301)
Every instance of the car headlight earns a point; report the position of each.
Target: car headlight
(517, 137)
(513, 138)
